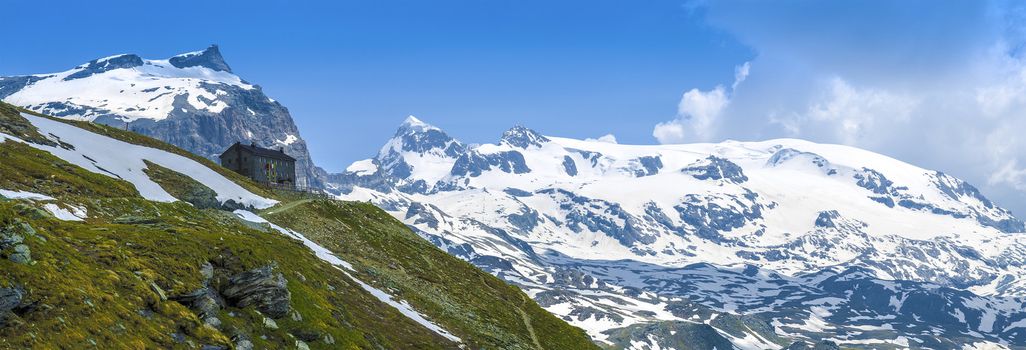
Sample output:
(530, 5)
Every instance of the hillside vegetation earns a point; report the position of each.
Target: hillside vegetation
(136, 273)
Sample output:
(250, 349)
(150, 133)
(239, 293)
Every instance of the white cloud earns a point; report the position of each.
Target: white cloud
(698, 113)
(702, 108)
(669, 131)
(946, 91)
(740, 73)
(1010, 174)
(607, 138)
(854, 112)
(1007, 89)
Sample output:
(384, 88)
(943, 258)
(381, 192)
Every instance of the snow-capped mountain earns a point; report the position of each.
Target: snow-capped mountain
(753, 244)
(192, 100)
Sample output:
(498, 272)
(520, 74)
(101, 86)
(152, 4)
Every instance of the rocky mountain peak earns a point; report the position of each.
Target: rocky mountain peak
(414, 135)
(413, 125)
(208, 58)
(522, 137)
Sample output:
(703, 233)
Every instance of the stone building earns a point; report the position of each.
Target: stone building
(263, 165)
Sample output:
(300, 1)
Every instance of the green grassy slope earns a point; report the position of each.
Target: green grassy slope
(112, 280)
(492, 313)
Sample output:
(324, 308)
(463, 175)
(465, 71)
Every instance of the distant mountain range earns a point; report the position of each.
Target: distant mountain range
(192, 100)
(757, 244)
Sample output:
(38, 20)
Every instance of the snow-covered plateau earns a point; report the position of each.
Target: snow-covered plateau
(755, 245)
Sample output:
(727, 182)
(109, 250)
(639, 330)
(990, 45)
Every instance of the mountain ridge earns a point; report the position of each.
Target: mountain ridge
(579, 223)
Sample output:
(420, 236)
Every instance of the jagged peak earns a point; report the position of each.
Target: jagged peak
(413, 123)
(209, 58)
(108, 63)
(520, 136)
(413, 120)
(415, 135)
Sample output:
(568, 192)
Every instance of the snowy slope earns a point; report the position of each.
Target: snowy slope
(101, 84)
(125, 161)
(604, 234)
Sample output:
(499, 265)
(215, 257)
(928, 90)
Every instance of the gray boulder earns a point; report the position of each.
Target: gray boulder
(262, 288)
(21, 255)
(10, 299)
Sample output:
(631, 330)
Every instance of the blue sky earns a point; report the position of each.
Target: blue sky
(938, 84)
(351, 71)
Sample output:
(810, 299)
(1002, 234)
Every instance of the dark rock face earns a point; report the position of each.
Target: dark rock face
(516, 192)
(474, 163)
(716, 168)
(569, 166)
(592, 157)
(710, 220)
(595, 215)
(307, 335)
(10, 85)
(262, 288)
(104, 65)
(874, 181)
(575, 278)
(13, 305)
(12, 243)
(205, 302)
(21, 255)
(886, 193)
(584, 313)
(209, 58)
(955, 189)
(250, 118)
(648, 166)
(555, 296)
(826, 218)
(421, 141)
(1011, 225)
(526, 220)
(10, 298)
(423, 215)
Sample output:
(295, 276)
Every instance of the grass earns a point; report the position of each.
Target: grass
(92, 281)
(182, 187)
(490, 313)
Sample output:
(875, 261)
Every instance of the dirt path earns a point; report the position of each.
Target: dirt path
(527, 323)
(287, 206)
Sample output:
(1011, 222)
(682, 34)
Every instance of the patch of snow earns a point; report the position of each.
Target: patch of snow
(94, 152)
(362, 167)
(24, 195)
(289, 139)
(76, 214)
